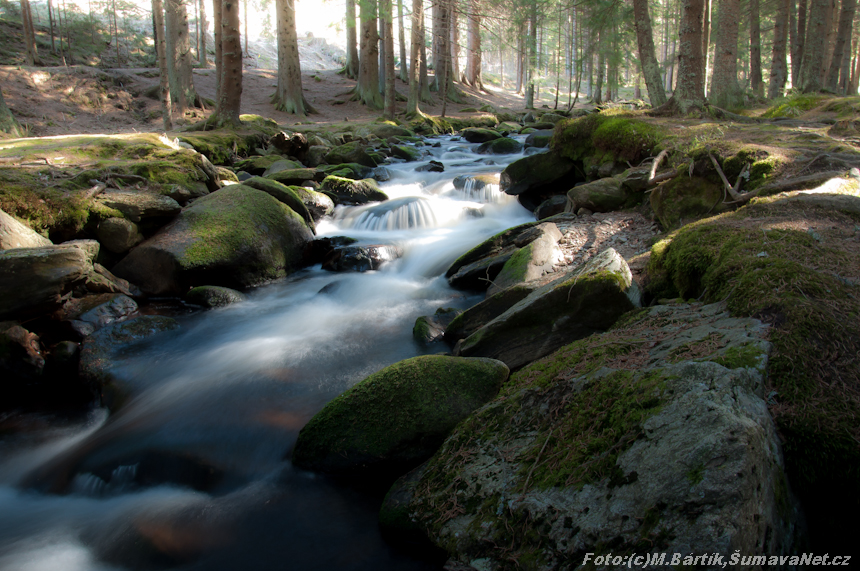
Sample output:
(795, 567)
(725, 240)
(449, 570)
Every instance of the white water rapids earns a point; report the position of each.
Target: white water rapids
(233, 386)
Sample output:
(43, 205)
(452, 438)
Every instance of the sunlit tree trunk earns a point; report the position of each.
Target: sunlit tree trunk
(647, 58)
(839, 63)
(51, 23)
(401, 33)
(29, 34)
(202, 57)
(231, 64)
(706, 42)
(454, 43)
(756, 80)
(725, 91)
(473, 46)
(351, 68)
(416, 54)
(520, 57)
(798, 39)
(532, 57)
(179, 55)
(814, 47)
(689, 92)
(8, 124)
(390, 95)
(779, 63)
(161, 54)
(289, 97)
(367, 90)
(219, 48)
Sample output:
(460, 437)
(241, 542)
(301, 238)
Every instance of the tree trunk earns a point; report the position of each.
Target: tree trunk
(706, 42)
(454, 25)
(29, 34)
(725, 91)
(690, 92)
(202, 57)
(351, 68)
(501, 60)
(756, 81)
(814, 47)
(8, 124)
(231, 65)
(404, 72)
(179, 55)
(161, 55)
(219, 48)
(390, 95)
(798, 39)
(830, 23)
(597, 97)
(436, 39)
(473, 43)
(837, 76)
(647, 58)
(520, 57)
(443, 70)
(381, 46)
(51, 23)
(416, 54)
(289, 97)
(779, 64)
(367, 90)
(247, 17)
(532, 55)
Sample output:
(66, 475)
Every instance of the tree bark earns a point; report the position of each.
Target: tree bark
(706, 42)
(473, 46)
(779, 63)
(351, 68)
(814, 47)
(8, 123)
(520, 57)
(202, 57)
(454, 43)
(404, 72)
(367, 90)
(381, 41)
(647, 57)
(532, 57)
(798, 39)
(179, 55)
(690, 91)
(837, 76)
(231, 65)
(416, 54)
(756, 81)
(289, 97)
(219, 48)
(29, 34)
(51, 23)
(390, 95)
(161, 54)
(725, 91)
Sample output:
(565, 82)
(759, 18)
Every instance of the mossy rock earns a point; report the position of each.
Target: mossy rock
(280, 165)
(536, 172)
(428, 125)
(794, 106)
(623, 138)
(347, 170)
(295, 176)
(350, 153)
(501, 146)
(602, 195)
(214, 296)
(480, 135)
(237, 237)
(317, 203)
(348, 191)
(406, 152)
(396, 418)
(222, 146)
(684, 199)
(285, 194)
(551, 118)
(385, 130)
(538, 139)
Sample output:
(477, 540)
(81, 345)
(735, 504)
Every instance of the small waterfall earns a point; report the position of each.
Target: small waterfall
(398, 214)
(478, 190)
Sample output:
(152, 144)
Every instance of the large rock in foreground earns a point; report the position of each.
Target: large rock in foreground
(237, 237)
(586, 300)
(652, 438)
(14, 234)
(396, 418)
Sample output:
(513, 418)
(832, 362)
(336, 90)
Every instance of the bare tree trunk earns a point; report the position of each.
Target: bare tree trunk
(381, 46)
(501, 60)
(779, 64)
(597, 97)
(855, 77)
(231, 65)
(416, 54)
(351, 68)
(219, 49)
(8, 124)
(71, 60)
(756, 80)
(798, 39)
(289, 97)
(725, 91)
(532, 55)
(404, 72)
(444, 74)
(51, 23)
(202, 58)
(390, 95)
(706, 42)
(367, 90)
(690, 92)
(179, 55)
(647, 58)
(116, 33)
(29, 34)
(473, 43)
(838, 67)
(520, 57)
(814, 47)
(454, 43)
(161, 54)
(247, 17)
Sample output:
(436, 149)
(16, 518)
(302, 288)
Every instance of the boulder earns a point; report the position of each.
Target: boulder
(432, 166)
(101, 353)
(586, 300)
(501, 146)
(140, 205)
(350, 153)
(348, 191)
(654, 438)
(360, 258)
(316, 155)
(385, 130)
(259, 164)
(551, 206)
(475, 317)
(118, 235)
(430, 328)
(214, 296)
(406, 152)
(287, 195)
(541, 171)
(683, 200)
(539, 139)
(35, 280)
(348, 170)
(110, 308)
(396, 418)
(21, 358)
(551, 118)
(278, 166)
(602, 195)
(237, 237)
(14, 234)
(477, 275)
(531, 261)
(293, 144)
(318, 204)
(479, 135)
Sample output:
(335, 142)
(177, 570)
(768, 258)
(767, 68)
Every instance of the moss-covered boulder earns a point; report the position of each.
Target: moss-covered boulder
(501, 146)
(602, 195)
(431, 328)
(386, 130)
(317, 203)
(539, 139)
(278, 166)
(258, 164)
(475, 317)
(296, 177)
(396, 418)
(531, 261)
(480, 135)
(347, 170)
(543, 171)
(651, 438)
(14, 234)
(285, 194)
(214, 296)
(137, 206)
(348, 191)
(607, 137)
(406, 152)
(586, 300)
(350, 153)
(118, 235)
(685, 199)
(237, 237)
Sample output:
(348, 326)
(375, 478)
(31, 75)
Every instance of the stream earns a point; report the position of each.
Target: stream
(232, 387)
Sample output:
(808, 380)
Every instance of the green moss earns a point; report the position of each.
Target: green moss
(794, 106)
(696, 474)
(624, 137)
(745, 356)
(515, 268)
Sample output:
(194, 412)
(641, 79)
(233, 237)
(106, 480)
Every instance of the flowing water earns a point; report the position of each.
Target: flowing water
(232, 387)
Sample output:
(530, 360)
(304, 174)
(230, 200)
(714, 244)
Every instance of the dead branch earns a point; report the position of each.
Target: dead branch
(656, 164)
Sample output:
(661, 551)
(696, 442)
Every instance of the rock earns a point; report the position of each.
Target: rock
(118, 235)
(396, 418)
(360, 258)
(531, 261)
(683, 200)
(214, 296)
(551, 206)
(477, 275)
(639, 438)
(430, 328)
(432, 166)
(21, 358)
(348, 170)
(543, 171)
(258, 165)
(237, 237)
(140, 205)
(316, 156)
(14, 234)
(539, 139)
(225, 175)
(475, 182)
(381, 174)
(348, 191)
(280, 165)
(102, 281)
(480, 135)
(114, 308)
(475, 317)
(100, 354)
(319, 250)
(318, 204)
(635, 180)
(529, 117)
(296, 177)
(385, 130)
(551, 118)
(288, 195)
(35, 280)
(292, 145)
(583, 301)
(350, 153)
(603, 195)
(501, 146)
(407, 153)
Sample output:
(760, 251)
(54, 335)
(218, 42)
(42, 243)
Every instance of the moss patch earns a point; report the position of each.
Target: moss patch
(623, 137)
